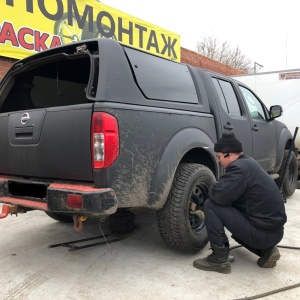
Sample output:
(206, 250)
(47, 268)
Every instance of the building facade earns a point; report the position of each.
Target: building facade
(187, 57)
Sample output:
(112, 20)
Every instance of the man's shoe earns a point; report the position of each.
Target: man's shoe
(269, 258)
(206, 264)
(217, 261)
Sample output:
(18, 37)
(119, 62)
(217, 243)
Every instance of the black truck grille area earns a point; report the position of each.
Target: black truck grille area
(28, 190)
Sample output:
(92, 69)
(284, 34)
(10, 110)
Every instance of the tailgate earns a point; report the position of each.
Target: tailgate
(51, 143)
(46, 107)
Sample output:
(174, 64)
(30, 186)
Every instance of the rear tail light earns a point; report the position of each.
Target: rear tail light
(105, 140)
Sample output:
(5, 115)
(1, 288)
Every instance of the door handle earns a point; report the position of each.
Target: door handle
(228, 126)
(24, 132)
(255, 127)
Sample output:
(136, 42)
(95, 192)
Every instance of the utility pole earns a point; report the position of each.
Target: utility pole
(286, 50)
(257, 64)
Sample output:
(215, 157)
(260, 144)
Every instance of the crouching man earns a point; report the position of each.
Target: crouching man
(246, 201)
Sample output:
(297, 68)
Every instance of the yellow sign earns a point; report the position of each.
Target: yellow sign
(29, 26)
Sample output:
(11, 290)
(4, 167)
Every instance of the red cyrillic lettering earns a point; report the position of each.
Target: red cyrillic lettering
(40, 41)
(21, 37)
(56, 41)
(8, 34)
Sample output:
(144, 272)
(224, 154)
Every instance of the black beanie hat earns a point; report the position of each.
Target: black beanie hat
(228, 143)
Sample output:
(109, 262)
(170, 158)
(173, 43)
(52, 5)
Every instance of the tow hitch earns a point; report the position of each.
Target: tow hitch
(78, 222)
(10, 209)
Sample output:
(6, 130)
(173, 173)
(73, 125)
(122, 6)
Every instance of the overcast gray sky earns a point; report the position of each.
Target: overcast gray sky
(267, 31)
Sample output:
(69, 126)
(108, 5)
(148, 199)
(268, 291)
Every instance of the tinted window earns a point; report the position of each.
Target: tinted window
(227, 97)
(230, 97)
(58, 83)
(161, 79)
(220, 94)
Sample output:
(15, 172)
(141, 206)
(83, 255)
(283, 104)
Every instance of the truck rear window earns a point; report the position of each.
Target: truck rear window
(60, 82)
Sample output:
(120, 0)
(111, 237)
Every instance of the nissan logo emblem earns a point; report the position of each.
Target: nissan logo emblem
(25, 118)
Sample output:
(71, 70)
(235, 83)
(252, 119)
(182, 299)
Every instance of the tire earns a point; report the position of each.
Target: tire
(178, 228)
(60, 217)
(291, 175)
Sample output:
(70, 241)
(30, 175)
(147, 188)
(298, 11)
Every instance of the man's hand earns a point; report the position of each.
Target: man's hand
(199, 214)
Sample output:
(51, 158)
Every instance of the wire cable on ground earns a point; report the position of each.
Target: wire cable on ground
(104, 235)
(290, 287)
(278, 246)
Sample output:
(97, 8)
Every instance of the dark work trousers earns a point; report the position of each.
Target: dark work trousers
(255, 240)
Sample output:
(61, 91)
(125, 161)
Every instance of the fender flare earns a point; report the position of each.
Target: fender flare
(285, 136)
(183, 141)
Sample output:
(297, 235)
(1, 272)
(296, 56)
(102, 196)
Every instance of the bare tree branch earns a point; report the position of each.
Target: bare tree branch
(224, 53)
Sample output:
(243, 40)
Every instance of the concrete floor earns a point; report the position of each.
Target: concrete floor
(140, 266)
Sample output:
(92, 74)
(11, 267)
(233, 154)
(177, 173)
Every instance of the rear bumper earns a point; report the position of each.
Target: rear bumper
(93, 201)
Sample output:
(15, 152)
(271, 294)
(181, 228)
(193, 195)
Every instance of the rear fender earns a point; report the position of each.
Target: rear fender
(177, 147)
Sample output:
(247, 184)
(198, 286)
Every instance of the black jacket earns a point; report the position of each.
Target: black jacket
(247, 187)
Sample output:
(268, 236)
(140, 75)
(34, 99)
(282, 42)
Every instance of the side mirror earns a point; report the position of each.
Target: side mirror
(275, 111)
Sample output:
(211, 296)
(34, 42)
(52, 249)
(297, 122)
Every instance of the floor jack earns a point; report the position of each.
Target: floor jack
(78, 220)
(73, 247)
(120, 223)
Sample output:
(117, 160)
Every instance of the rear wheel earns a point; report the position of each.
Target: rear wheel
(291, 175)
(60, 217)
(177, 226)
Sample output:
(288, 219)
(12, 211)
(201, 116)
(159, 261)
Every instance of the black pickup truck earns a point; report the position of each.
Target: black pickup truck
(95, 127)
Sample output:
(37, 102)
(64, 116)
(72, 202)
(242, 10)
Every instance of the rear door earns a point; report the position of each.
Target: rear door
(233, 114)
(45, 120)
